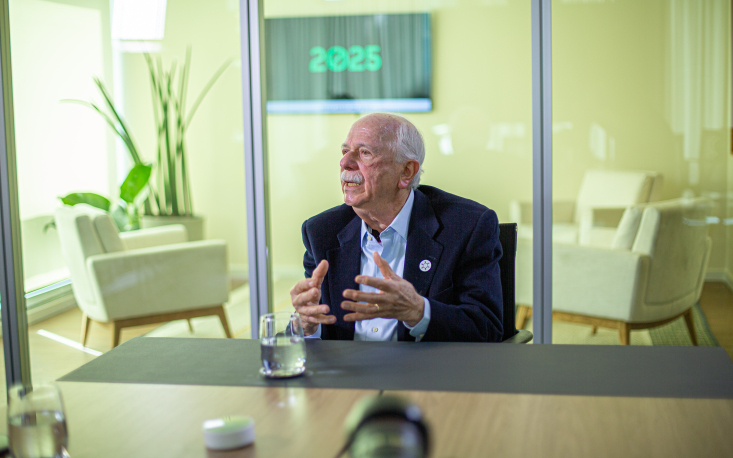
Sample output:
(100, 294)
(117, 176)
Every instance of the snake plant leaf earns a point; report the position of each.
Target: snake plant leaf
(89, 198)
(136, 180)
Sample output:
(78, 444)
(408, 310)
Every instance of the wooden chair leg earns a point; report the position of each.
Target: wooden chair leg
(594, 330)
(224, 324)
(521, 318)
(190, 326)
(624, 333)
(690, 321)
(86, 323)
(116, 331)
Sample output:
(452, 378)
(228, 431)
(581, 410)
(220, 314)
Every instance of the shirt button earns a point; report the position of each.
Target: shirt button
(375, 329)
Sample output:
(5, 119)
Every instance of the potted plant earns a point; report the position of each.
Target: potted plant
(168, 198)
(126, 214)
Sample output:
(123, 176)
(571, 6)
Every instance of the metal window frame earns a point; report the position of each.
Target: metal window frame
(12, 291)
(252, 21)
(542, 171)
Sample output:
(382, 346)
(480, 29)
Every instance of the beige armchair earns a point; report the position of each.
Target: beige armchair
(652, 274)
(141, 277)
(592, 218)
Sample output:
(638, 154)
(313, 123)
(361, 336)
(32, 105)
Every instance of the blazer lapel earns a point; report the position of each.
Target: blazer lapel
(420, 247)
(344, 265)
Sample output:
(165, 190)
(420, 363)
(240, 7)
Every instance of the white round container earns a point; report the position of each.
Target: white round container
(228, 432)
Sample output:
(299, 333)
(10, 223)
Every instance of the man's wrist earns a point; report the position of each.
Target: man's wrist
(419, 313)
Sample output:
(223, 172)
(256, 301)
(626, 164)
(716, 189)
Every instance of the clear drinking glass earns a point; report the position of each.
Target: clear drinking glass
(282, 345)
(36, 422)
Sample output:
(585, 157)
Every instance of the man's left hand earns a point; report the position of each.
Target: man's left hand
(396, 298)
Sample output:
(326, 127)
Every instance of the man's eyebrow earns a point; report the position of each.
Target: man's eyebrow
(358, 145)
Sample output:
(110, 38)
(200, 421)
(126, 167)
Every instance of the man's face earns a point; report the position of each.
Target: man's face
(370, 175)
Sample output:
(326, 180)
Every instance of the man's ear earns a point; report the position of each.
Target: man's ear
(409, 170)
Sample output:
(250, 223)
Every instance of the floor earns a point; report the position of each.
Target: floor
(51, 359)
(717, 303)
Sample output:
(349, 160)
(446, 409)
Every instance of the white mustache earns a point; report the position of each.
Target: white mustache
(352, 177)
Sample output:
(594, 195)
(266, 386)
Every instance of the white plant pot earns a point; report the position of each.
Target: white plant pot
(194, 224)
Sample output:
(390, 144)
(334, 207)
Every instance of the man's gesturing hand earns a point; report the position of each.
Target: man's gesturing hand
(396, 298)
(305, 296)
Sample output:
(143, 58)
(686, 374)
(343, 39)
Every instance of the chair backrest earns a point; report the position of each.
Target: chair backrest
(674, 234)
(615, 189)
(85, 231)
(508, 240)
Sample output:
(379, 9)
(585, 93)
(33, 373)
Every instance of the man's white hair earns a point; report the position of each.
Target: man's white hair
(407, 143)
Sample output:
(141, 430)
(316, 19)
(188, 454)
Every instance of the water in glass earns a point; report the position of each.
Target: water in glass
(282, 346)
(38, 434)
(283, 356)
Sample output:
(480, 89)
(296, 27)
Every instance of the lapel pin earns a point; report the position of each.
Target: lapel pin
(425, 265)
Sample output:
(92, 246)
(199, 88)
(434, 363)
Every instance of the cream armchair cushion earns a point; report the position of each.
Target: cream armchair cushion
(148, 273)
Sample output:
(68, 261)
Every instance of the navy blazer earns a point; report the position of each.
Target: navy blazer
(458, 236)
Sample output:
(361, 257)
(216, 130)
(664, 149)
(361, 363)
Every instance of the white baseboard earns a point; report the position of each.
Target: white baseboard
(720, 275)
(51, 308)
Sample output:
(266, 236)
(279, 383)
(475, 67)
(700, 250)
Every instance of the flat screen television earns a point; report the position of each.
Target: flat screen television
(348, 64)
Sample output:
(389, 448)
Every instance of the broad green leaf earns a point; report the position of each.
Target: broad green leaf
(89, 198)
(135, 182)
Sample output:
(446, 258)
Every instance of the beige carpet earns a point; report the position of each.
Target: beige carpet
(580, 334)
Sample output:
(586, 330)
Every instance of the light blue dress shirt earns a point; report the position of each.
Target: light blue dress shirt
(391, 247)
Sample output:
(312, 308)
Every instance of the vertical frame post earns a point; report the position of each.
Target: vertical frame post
(12, 290)
(251, 19)
(542, 170)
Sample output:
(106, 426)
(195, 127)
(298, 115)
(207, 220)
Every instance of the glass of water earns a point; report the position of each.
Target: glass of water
(282, 345)
(36, 422)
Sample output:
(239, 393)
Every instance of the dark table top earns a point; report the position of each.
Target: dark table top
(688, 372)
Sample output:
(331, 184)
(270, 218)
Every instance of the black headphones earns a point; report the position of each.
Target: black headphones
(379, 413)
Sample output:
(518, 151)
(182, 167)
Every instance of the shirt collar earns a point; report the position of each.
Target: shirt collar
(401, 223)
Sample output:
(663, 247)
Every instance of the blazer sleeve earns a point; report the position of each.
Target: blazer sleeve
(309, 261)
(471, 310)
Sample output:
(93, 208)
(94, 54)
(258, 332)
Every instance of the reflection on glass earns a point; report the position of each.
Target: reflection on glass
(99, 268)
(641, 158)
(477, 128)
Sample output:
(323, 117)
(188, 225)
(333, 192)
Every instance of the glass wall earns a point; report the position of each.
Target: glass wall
(641, 154)
(477, 129)
(90, 120)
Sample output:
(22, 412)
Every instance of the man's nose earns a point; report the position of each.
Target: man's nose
(348, 162)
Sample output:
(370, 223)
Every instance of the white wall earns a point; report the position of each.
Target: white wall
(56, 49)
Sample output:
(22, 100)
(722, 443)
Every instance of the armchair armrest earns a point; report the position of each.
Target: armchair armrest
(154, 236)
(597, 281)
(162, 279)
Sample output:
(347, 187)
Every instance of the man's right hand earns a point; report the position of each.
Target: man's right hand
(306, 295)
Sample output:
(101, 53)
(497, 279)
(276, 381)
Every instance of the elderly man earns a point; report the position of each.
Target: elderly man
(398, 261)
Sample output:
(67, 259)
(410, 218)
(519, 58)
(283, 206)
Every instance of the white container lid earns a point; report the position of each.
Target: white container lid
(229, 432)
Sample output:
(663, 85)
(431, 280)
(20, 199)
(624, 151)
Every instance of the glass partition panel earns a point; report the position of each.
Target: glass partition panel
(459, 71)
(641, 160)
(131, 185)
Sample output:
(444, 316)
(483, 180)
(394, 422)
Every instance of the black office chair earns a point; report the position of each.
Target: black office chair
(508, 240)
